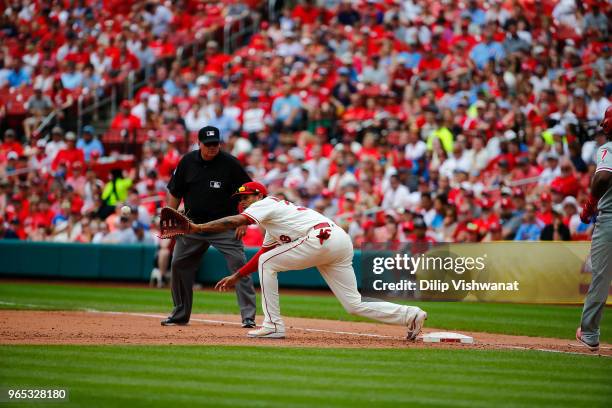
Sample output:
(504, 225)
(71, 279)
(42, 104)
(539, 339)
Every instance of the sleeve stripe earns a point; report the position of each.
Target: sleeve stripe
(250, 217)
(603, 169)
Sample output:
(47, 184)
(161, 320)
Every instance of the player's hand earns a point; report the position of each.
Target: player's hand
(227, 282)
(589, 209)
(240, 231)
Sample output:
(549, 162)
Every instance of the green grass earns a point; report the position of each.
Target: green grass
(529, 320)
(162, 376)
(135, 376)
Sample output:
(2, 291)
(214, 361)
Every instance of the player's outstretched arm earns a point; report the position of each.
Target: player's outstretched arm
(247, 269)
(220, 225)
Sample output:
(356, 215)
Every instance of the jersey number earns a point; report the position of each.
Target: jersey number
(603, 155)
(285, 239)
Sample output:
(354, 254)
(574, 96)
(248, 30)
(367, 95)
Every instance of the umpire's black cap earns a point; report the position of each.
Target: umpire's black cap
(209, 134)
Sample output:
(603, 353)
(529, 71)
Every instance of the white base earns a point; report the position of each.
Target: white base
(447, 337)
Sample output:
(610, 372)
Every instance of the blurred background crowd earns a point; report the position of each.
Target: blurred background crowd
(403, 121)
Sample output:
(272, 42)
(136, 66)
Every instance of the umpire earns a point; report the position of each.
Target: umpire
(205, 180)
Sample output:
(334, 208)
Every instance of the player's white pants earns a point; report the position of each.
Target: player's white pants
(333, 259)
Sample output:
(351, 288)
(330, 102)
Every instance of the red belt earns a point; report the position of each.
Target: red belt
(324, 234)
(322, 225)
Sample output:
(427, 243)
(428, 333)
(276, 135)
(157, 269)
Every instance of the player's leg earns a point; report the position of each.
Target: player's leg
(233, 251)
(340, 278)
(300, 254)
(186, 259)
(601, 261)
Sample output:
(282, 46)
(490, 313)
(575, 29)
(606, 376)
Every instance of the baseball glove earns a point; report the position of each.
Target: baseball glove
(589, 210)
(172, 223)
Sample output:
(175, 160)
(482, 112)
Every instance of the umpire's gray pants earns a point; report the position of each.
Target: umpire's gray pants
(186, 259)
(601, 261)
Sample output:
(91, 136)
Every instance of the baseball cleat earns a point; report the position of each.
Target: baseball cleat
(170, 322)
(591, 347)
(248, 323)
(416, 325)
(266, 333)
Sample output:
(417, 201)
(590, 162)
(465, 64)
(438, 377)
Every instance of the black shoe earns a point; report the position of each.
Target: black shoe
(171, 322)
(248, 323)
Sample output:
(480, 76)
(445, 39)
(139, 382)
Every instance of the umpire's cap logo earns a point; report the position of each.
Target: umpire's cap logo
(209, 134)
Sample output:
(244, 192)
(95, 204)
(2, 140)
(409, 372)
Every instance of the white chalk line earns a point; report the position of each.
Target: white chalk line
(157, 316)
(22, 304)
(213, 321)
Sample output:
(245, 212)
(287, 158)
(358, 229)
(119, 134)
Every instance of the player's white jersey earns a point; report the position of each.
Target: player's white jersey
(604, 163)
(283, 221)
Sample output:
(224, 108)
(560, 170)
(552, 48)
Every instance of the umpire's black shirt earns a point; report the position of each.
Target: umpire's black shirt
(206, 186)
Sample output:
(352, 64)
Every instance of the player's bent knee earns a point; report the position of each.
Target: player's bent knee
(267, 271)
(354, 308)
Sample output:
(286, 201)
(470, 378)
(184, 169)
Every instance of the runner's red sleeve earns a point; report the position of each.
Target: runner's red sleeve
(251, 265)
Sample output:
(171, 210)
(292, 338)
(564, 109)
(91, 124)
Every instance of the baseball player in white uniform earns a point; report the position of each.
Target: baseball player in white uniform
(300, 238)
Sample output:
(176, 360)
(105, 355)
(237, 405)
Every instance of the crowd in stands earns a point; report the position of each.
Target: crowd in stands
(53, 52)
(403, 121)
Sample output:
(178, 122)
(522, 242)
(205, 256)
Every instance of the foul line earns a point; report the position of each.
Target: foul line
(239, 324)
(222, 322)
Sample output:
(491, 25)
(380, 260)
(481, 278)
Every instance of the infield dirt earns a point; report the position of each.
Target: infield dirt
(122, 328)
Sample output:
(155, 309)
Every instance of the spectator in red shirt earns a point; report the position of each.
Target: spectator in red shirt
(125, 120)
(307, 13)
(464, 37)
(545, 215)
(70, 155)
(125, 61)
(41, 215)
(567, 183)
(419, 236)
(10, 144)
(170, 159)
(430, 64)
(215, 61)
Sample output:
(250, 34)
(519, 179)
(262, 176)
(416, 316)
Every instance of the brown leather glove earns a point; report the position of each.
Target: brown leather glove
(173, 223)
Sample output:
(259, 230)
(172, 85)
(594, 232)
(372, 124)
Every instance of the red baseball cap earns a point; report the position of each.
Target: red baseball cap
(606, 123)
(252, 187)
